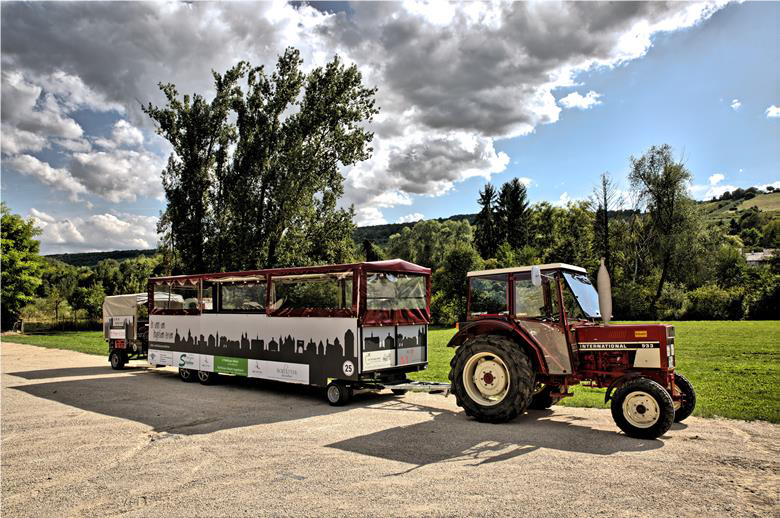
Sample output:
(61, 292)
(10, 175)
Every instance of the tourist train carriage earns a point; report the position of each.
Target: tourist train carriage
(354, 324)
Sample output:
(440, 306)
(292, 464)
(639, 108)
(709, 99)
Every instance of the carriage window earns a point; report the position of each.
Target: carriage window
(314, 291)
(395, 291)
(242, 297)
(488, 295)
(171, 296)
(207, 301)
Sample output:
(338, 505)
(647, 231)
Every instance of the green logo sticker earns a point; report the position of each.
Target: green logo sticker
(229, 365)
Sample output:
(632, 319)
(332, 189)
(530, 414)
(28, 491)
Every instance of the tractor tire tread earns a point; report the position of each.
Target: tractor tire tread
(521, 375)
(661, 395)
(686, 408)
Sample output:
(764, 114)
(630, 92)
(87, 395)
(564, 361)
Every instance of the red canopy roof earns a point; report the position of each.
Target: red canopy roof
(390, 265)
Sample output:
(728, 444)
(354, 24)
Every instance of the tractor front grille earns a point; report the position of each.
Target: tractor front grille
(670, 346)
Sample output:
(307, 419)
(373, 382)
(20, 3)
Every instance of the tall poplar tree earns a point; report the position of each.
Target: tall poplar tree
(263, 190)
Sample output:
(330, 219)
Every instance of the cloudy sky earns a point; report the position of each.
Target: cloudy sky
(550, 93)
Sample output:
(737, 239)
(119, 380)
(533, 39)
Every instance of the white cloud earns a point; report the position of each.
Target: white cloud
(712, 189)
(366, 216)
(736, 104)
(453, 78)
(563, 200)
(773, 112)
(774, 185)
(15, 140)
(41, 217)
(123, 134)
(119, 174)
(60, 179)
(26, 107)
(525, 181)
(99, 232)
(575, 100)
(410, 218)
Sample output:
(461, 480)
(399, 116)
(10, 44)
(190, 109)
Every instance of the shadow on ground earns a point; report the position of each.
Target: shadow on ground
(72, 372)
(451, 436)
(160, 400)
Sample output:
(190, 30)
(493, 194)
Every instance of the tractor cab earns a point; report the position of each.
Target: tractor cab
(559, 293)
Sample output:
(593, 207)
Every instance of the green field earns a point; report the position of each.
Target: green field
(90, 342)
(767, 202)
(734, 366)
(723, 211)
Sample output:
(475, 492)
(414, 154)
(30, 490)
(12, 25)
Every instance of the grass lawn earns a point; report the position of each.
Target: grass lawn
(90, 342)
(734, 366)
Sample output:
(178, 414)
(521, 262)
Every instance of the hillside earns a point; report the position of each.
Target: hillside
(93, 258)
(725, 210)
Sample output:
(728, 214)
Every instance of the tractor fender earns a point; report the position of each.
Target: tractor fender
(617, 382)
(494, 326)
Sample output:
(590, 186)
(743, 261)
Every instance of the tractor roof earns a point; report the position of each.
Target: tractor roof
(515, 269)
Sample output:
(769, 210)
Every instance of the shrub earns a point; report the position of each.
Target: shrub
(673, 303)
(632, 301)
(443, 311)
(766, 306)
(710, 302)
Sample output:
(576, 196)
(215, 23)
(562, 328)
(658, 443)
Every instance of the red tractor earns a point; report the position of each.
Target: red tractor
(533, 332)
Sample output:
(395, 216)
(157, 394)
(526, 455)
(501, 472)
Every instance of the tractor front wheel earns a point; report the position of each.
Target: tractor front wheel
(688, 397)
(643, 409)
(492, 379)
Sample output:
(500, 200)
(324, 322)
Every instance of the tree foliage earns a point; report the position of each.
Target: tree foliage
(21, 265)
(487, 229)
(661, 184)
(427, 242)
(263, 190)
(450, 279)
(512, 213)
(605, 197)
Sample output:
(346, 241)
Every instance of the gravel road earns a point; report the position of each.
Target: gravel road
(80, 439)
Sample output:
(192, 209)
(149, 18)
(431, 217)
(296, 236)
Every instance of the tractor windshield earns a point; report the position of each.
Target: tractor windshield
(584, 292)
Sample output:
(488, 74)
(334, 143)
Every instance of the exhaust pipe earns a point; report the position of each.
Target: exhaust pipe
(605, 293)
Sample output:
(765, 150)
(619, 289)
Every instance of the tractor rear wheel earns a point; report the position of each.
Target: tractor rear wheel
(492, 378)
(688, 397)
(643, 409)
(542, 397)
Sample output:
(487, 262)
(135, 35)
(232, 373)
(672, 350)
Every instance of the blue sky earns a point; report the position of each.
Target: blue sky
(470, 93)
(679, 93)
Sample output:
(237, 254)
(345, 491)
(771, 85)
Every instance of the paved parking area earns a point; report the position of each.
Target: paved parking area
(80, 439)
